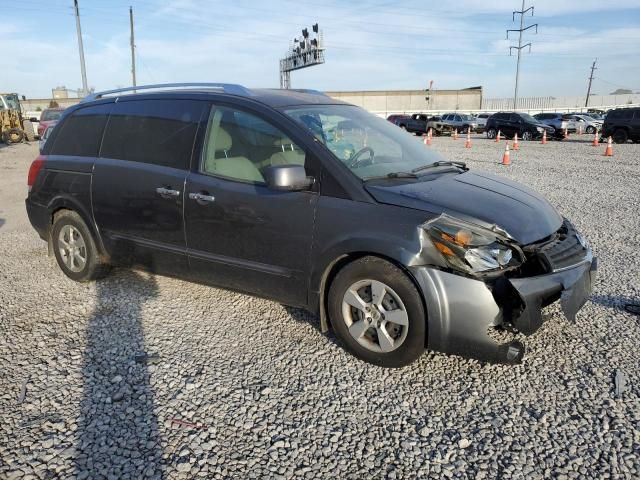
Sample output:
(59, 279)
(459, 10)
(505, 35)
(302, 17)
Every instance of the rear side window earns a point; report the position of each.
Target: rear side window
(159, 132)
(81, 132)
(626, 114)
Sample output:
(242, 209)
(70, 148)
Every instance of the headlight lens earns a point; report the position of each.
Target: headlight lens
(540, 129)
(470, 248)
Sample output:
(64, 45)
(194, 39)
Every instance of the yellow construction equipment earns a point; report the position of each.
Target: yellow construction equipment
(14, 128)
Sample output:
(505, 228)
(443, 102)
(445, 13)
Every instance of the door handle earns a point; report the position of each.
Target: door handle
(202, 198)
(167, 192)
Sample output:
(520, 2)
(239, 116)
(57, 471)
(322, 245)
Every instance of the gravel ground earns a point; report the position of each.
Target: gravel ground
(142, 376)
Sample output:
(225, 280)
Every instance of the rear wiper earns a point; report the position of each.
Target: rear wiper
(393, 175)
(440, 163)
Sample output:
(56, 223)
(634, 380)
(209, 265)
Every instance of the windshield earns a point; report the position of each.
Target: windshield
(49, 115)
(368, 145)
(12, 101)
(528, 118)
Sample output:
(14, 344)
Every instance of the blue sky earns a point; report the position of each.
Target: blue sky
(371, 44)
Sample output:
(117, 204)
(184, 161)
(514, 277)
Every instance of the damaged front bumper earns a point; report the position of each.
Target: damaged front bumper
(463, 313)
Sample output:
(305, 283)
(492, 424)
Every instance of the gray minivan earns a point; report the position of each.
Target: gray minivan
(311, 202)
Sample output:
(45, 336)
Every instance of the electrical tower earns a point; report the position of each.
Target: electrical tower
(520, 46)
(303, 52)
(593, 68)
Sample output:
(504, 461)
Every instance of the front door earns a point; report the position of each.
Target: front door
(241, 234)
(138, 181)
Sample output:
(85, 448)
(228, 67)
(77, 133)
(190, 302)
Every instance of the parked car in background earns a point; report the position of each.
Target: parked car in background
(416, 123)
(48, 117)
(396, 119)
(438, 127)
(45, 135)
(586, 123)
(622, 124)
(460, 122)
(395, 247)
(510, 123)
(481, 120)
(559, 122)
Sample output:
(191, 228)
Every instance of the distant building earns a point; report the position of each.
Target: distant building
(387, 102)
(64, 92)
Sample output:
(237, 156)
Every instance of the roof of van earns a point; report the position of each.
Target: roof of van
(277, 98)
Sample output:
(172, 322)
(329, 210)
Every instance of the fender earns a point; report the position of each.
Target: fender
(69, 202)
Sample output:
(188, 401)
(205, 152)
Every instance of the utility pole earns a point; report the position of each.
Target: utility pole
(520, 46)
(593, 67)
(133, 48)
(83, 68)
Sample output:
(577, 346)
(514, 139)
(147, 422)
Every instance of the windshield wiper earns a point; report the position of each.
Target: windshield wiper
(393, 175)
(440, 163)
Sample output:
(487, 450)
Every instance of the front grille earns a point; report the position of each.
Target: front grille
(561, 250)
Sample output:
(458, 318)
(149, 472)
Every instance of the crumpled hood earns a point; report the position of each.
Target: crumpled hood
(481, 197)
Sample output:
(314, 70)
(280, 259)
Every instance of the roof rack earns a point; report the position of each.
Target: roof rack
(230, 88)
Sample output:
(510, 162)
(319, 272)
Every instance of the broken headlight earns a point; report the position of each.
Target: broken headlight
(470, 248)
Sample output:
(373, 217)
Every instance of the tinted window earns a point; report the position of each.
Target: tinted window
(457, 118)
(160, 132)
(240, 145)
(81, 132)
(501, 116)
(626, 114)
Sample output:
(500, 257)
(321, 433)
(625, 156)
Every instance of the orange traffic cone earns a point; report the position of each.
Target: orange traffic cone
(609, 150)
(455, 134)
(467, 143)
(566, 134)
(516, 145)
(498, 137)
(595, 142)
(429, 138)
(506, 158)
(544, 137)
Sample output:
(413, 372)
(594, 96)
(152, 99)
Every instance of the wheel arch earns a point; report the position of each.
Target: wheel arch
(61, 203)
(338, 263)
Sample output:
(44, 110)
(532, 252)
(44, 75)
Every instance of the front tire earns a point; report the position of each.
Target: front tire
(75, 249)
(491, 133)
(527, 136)
(377, 313)
(591, 130)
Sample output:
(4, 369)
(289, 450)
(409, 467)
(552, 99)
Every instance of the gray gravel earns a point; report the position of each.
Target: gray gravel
(149, 377)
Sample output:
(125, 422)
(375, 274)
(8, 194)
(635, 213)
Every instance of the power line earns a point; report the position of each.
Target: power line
(520, 46)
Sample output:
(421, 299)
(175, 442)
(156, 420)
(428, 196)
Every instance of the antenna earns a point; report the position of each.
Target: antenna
(520, 46)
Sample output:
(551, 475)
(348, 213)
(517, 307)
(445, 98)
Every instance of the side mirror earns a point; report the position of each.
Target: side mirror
(33, 120)
(289, 178)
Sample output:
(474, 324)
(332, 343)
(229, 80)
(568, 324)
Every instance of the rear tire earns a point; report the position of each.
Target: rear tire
(29, 131)
(75, 248)
(382, 295)
(591, 129)
(620, 136)
(13, 135)
(527, 136)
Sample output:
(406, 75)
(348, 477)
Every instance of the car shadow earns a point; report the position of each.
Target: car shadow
(304, 316)
(2, 222)
(618, 302)
(117, 434)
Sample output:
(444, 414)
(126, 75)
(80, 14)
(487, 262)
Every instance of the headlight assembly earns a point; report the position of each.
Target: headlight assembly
(472, 249)
(540, 129)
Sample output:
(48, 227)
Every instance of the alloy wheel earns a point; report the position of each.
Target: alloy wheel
(375, 316)
(73, 249)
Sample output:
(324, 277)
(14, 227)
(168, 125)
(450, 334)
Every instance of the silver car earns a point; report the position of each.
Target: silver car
(588, 123)
(460, 122)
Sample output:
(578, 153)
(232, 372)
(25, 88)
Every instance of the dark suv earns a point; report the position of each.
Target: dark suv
(510, 123)
(622, 124)
(310, 202)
